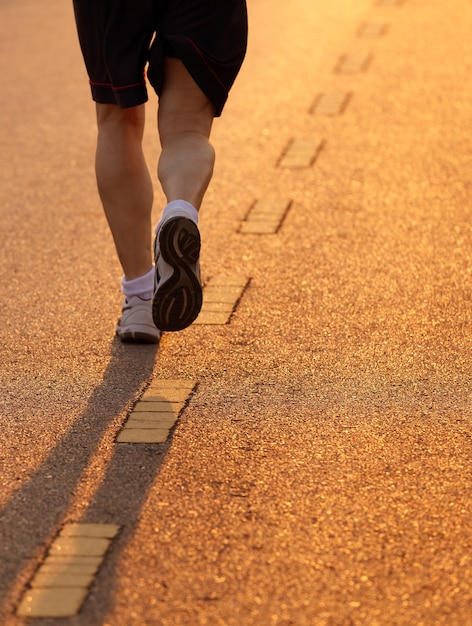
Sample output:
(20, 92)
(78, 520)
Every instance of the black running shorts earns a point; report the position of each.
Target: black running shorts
(119, 38)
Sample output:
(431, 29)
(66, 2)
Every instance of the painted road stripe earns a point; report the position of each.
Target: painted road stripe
(168, 390)
(61, 583)
(301, 153)
(265, 216)
(331, 103)
(220, 298)
(154, 416)
(372, 30)
(353, 63)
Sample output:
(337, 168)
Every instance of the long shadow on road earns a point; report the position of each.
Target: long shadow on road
(34, 513)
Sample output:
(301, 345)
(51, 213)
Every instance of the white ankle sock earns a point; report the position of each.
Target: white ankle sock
(143, 286)
(175, 205)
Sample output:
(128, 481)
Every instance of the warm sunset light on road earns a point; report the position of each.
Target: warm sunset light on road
(301, 454)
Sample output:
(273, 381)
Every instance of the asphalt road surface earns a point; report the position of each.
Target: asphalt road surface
(320, 469)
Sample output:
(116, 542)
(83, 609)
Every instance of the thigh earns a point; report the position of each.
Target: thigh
(209, 36)
(183, 106)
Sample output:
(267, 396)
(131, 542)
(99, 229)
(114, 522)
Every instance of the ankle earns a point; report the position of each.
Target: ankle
(142, 286)
(178, 205)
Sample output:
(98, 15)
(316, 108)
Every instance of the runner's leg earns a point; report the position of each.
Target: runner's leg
(125, 185)
(184, 120)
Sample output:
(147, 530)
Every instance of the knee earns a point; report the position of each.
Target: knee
(112, 116)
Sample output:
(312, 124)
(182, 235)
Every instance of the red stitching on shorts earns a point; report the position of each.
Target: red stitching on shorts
(101, 84)
(208, 66)
(117, 88)
(129, 86)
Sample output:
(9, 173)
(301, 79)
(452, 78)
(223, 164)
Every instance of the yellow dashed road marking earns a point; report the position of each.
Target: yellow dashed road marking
(265, 216)
(301, 153)
(372, 30)
(55, 602)
(331, 103)
(144, 435)
(220, 298)
(62, 582)
(156, 413)
(353, 63)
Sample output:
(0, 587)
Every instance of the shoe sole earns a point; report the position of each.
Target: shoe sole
(137, 337)
(178, 300)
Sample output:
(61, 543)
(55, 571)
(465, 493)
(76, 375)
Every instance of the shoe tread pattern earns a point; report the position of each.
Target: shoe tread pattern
(178, 300)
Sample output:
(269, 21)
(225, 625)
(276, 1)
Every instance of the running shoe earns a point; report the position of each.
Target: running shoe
(178, 292)
(136, 324)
